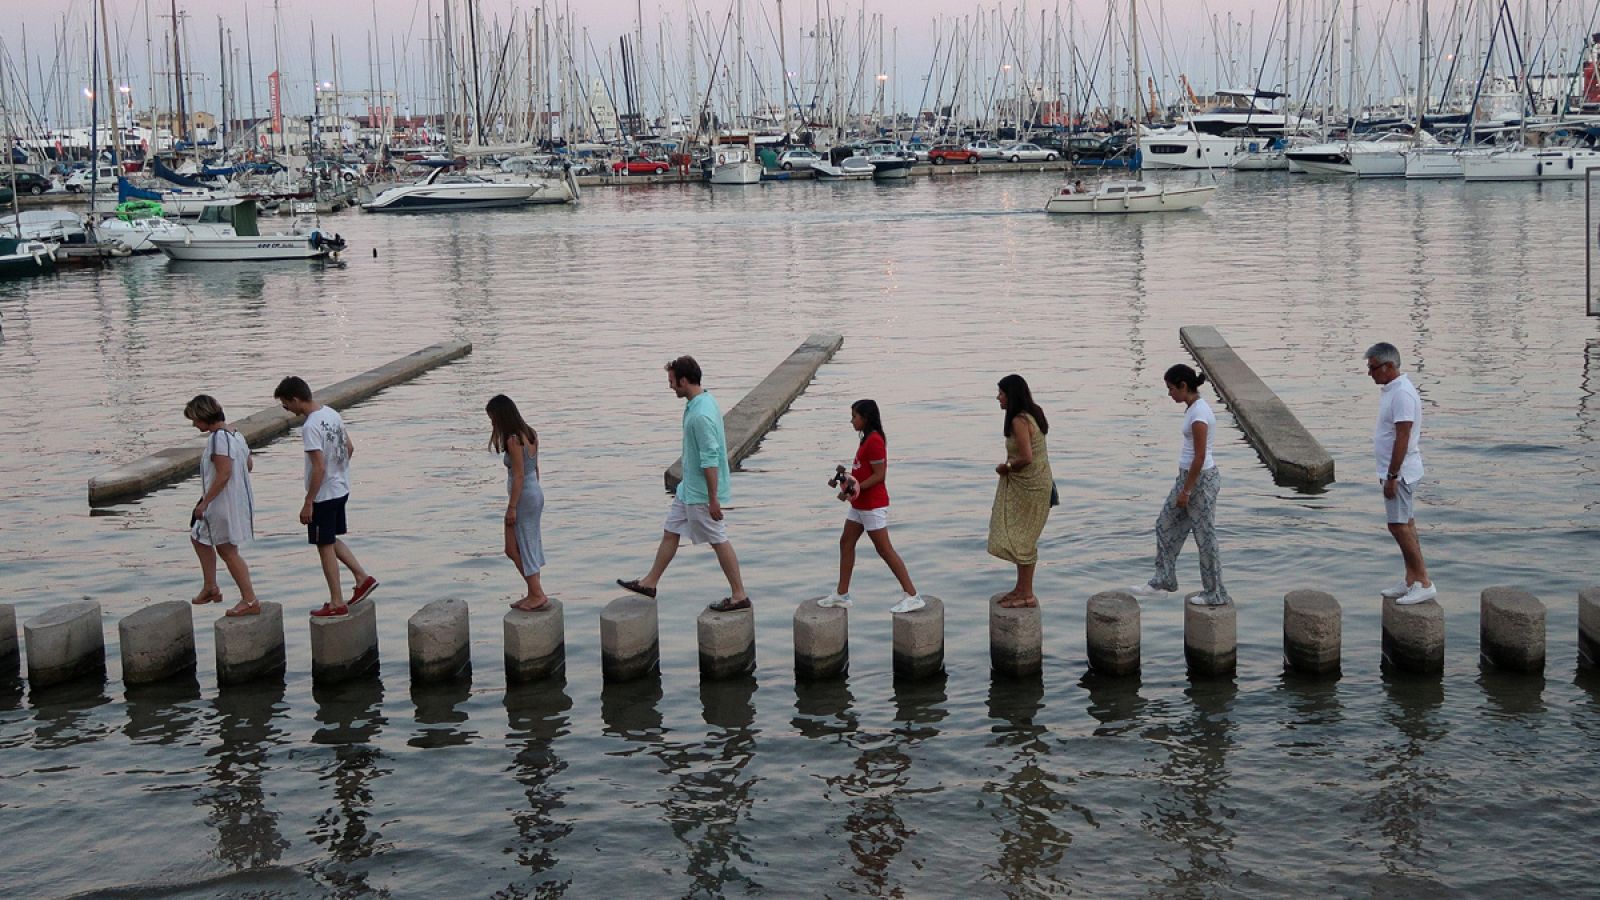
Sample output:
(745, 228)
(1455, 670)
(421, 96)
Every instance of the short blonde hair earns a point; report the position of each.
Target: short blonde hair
(204, 409)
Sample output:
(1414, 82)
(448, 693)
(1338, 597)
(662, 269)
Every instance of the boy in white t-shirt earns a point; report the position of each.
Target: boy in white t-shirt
(328, 451)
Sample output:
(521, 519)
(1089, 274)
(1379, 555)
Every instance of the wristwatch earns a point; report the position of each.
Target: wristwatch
(1393, 476)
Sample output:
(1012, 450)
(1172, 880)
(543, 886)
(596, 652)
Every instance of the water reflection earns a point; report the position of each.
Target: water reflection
(631, 710)
(1513, 695)
(538, 718)
(160, 713)
(349, 717)
(823, 710)
(715, 790)
(1114, 702)
(881, 778)
(1194, 815)
(438, 712)
(64, 714)
(247, 732)
(1408, 784)
(1314, 713)
(1032, 844)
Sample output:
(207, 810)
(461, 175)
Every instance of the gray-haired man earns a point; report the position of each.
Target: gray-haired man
(1397, 444)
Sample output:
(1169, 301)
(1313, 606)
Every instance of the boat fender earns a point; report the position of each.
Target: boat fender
(1538, 168)
(1197, 151)
(1569, 162)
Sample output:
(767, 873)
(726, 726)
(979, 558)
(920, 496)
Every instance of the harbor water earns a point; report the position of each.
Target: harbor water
(1476, 782)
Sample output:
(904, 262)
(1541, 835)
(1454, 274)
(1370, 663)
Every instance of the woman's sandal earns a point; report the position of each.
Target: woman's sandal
(244, 609)
(634, 585)
(208, 595)
(520, 608)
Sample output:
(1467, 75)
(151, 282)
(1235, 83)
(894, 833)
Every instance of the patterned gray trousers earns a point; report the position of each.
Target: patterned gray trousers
(1173, 528)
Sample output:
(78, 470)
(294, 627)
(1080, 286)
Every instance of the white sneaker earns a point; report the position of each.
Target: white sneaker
(836, 599)
(1418, 594)
(908, 603)
(1204, 599)
(1148, 590)
(1400, 589)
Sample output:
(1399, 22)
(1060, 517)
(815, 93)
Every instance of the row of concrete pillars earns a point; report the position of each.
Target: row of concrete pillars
(157, 642)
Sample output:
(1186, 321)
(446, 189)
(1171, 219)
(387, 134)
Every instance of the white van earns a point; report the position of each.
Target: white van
(78, 182)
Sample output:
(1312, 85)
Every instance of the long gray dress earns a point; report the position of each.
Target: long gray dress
(529, 507)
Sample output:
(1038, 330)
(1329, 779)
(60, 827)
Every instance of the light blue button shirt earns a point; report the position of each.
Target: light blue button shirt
(705, 446)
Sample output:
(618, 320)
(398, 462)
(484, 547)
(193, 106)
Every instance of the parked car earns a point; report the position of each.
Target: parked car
(951, 153)
(78, 181)
(1028, 153)
(986, 149)
(28, 182)
(797, 159)
(639, 165)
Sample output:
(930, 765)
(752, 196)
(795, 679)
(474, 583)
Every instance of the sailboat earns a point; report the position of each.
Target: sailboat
(1120, 196)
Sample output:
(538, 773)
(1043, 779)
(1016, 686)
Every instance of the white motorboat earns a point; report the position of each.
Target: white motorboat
(1120, 196)
(138, 233)
(20, 257)
(228, 232)
(1381, 157)
(890, 163)
(1437, 162)
(561, 189)
(1529, 164)
(733, 164)
(444, 190)
(849, 168)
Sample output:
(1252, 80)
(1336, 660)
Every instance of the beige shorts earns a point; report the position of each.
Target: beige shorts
(693, 521)
(869, 519)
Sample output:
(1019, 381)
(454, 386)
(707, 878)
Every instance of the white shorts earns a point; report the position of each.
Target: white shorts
(693, 521)
(869, 519)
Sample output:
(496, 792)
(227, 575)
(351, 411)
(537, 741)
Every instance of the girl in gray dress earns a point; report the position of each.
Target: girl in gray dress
(224, 517)
(518, 446)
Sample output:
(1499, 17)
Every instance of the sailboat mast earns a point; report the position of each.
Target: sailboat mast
(177, 77)
(1133, 40)
(783, 67)
(1422, 73)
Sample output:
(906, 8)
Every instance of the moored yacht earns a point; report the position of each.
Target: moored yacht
(227, 232)
(1121, 196)
(444, 190)
(1531, 164)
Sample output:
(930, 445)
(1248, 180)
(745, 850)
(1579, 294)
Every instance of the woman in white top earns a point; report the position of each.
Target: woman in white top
(1192, 503)
(223, 519)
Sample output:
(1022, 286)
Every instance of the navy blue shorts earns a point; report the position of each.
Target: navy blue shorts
(327, 521)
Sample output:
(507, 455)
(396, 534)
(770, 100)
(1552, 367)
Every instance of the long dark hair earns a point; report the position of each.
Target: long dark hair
(870, 418)
(1019, 400)
(507, 424)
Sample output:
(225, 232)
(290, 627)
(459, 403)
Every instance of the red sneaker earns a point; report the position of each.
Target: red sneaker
(364, 589)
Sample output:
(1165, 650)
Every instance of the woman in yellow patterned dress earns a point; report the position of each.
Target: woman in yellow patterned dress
(1022, 500)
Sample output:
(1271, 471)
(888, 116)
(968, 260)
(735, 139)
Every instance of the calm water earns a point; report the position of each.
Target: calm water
(965, 786)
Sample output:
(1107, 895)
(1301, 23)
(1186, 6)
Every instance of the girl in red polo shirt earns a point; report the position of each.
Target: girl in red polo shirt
(869, 511)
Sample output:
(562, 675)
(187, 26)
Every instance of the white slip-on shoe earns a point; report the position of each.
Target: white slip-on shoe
(1148, 590)
(836, 599)
(908, 603)
(1203, 599)
(1418, 594)
(1399, 589)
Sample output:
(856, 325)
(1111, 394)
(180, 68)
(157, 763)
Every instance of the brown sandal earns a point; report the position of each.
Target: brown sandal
(244, 609)
(634, 585)
(520, 608)
(727, 605)
(211, 595)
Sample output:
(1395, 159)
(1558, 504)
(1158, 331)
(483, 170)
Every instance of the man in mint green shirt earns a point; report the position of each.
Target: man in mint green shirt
(696, 511)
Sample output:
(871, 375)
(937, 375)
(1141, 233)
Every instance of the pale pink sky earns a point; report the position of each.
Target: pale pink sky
(1184, 37)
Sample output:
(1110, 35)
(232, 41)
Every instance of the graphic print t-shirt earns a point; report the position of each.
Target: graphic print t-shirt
(872, 450)
(324, 431)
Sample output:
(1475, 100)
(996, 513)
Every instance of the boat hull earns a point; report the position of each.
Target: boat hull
(433, 198)
(243, 249)
(1172, 200)
(1544, 165)
(736, 173)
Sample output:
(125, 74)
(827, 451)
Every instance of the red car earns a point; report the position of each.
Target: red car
(639, 165)
(951, 153)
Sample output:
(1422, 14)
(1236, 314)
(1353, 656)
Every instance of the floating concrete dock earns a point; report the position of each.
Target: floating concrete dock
(821, 641)
(1290, 452)
(1016, 639)
(727, 643)
(10, 653)
(345, 648)
(919, 640)
(1210, 638)
(536, 643)
(751, 418)
(1413, 637)
(630, 639)
(439, 637)
(65, 643)
(1589, 626)
(250, 648)
(138, 478)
